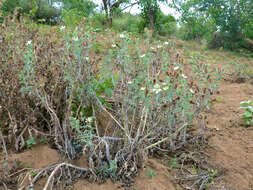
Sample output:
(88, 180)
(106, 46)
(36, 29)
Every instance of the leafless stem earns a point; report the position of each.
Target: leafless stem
(4, 145)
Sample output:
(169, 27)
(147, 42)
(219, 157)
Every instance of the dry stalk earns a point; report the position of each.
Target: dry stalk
(4, 145)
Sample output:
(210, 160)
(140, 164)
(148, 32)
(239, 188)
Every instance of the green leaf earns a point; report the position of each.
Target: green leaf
(248, 114)
(108, 91)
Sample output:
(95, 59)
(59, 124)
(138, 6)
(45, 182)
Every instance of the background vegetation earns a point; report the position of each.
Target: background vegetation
(226, 24)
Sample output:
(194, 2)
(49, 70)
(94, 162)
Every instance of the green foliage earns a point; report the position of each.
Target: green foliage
(166, 24)
(109, 170)
(150, 11)
(36, 9)
(28, 71)
(173, 163)
(47, 12)
(9, 6)
(99, 20)
(247, 30)
(248, 114)
(85, 126)
(212, 174)
(30, 142)
(127, 22)
(71, 17)
(153, 18)
(151, 174)
(194, 27)
(82, 8)
(231, 18)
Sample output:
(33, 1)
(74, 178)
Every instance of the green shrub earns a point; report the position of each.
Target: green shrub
(248, 29)
(166, 24)
(37, 10)
(127, 22)
(47, 12)
(196, 28)
(71, 17)
(83, 8)
(99, 20)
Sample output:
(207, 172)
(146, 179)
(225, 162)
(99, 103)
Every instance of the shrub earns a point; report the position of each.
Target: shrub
(127, 22)
(99, 20)
(166, 24)
(196, 28)
(84, 8)
(51, 87)
(36, 9)
(71, 17)
(224, 40)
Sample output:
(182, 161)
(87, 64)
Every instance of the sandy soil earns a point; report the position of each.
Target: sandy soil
(232, 143)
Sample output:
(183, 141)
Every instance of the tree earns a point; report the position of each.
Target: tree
(84, 7)
(149, 11)
(36, 9)
(111, 6)
(230, 16)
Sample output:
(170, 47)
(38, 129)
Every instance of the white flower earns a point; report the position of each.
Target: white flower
(166, 43)
(75, 38)
(122, 36)
(184, 76)
(157, 88)
(143, 55)
(165, 88)
(247, 102)
(29, 42)
(159, 46)
(130, 82)
(192, 91)
(89, 119)
(87, 58)
(62, 28)
(143, 88)
(176, 68)
(113, 45)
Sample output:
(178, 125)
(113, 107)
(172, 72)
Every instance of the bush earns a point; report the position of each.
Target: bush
(71, 17)
(127, 22)
(51, 87)
(47, 12)
(166, 24)
(36, 9)
(99, 21)
(224, 40)
(196, 28)
(248, 30)
(83, 8)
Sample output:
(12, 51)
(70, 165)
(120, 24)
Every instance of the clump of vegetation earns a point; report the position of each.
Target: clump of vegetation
(51, 89)
(248, 114)
(39, 10)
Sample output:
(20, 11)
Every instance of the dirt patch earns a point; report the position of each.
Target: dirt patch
(37, 157)
(154, 177)
(232, 143)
